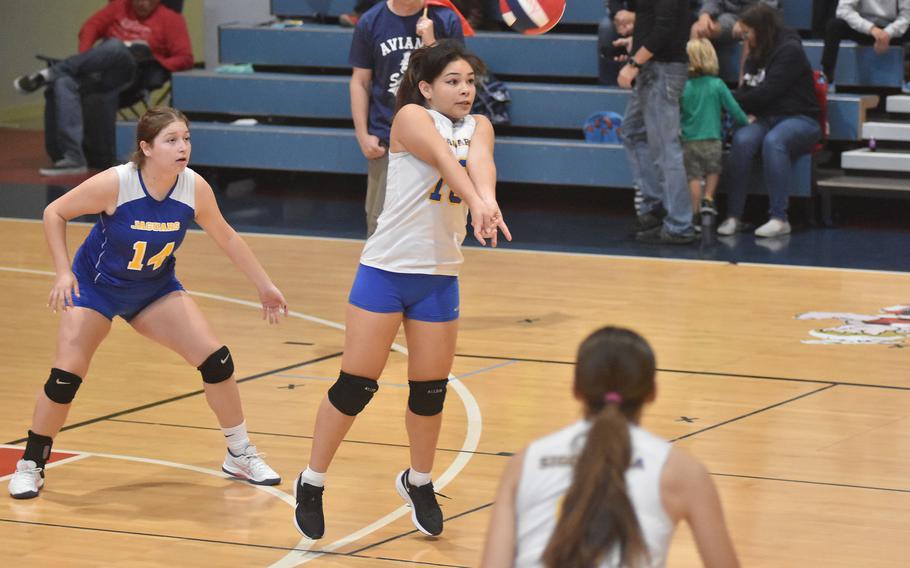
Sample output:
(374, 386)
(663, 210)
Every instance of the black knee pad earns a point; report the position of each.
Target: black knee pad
(218, 367)
(61, 386)
(350, 394)
(427, 397)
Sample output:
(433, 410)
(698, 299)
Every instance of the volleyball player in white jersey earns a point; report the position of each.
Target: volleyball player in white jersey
(604, 492)
(125, 267)
(440, 166)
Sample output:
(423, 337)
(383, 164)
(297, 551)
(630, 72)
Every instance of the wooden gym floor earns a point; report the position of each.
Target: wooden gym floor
(809, 443)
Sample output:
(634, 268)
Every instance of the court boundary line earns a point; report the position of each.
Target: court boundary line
(179, 397)
(807, 482)
(750, 414)
(304, 437)
(706, 373)
(215, 541)
(544, 252)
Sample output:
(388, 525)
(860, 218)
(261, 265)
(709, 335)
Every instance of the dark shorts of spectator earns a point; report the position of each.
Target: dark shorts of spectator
(702, 158)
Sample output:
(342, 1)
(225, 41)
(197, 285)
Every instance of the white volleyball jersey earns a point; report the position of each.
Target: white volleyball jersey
(422, 224)
(547, 473)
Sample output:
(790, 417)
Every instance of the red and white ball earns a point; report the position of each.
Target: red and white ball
(532, 17)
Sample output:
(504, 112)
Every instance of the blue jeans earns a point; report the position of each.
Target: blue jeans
(107, 69)
(651, 135)
(781, 140)
(608, 68)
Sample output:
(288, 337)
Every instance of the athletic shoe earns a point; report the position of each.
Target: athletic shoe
(425, 512)
(647, 221)
(660, 236)
(27, 481)
(729, 227)
(29, 83)
(773, 228)
(707, 206)
(250, 466)
(64, 167)
(308, 516)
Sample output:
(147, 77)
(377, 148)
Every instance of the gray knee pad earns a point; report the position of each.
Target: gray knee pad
(61, 386)
(350, 394)
(218, 367)
(427, 397)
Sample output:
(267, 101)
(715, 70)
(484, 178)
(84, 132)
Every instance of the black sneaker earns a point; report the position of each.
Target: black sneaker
(647, 221)
(308, 517)
(707, 206)
(660, 236)
(425, 512)
(29, 83)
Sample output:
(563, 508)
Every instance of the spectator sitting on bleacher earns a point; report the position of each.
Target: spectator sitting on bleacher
(779, 90)
(704, 99)
(881, 23)
(717, 18)
(132, 33)
(381, 47)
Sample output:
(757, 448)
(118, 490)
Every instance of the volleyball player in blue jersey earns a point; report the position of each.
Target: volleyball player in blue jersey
(125, 268)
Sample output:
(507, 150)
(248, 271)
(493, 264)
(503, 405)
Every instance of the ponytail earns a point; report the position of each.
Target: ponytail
(597, 514)
(614, 376)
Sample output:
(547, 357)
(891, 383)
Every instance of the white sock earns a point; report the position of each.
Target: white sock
(46, 73)
(314, 478)
(237, 438)
(418, 479)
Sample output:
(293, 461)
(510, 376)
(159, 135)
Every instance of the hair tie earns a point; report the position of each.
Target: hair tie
(613, 396)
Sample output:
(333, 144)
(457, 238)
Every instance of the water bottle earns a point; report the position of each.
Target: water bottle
(707, 227)
(872, 145)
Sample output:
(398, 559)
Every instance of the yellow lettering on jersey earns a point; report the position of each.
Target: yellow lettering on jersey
(156, 261)
(155, 226)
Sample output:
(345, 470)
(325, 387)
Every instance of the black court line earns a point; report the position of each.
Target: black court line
(183, 396)
(807, 482)
(753, 413)
(227, 542)
(302, 437)
(404, 534)
(707, 373)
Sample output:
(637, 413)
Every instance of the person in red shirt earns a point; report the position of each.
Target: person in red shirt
(126, 43)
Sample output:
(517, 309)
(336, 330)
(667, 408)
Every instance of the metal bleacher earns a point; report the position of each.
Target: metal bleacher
(550, 78)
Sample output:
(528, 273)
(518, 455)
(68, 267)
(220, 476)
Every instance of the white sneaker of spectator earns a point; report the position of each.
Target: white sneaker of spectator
(729, 227)
(773, 228)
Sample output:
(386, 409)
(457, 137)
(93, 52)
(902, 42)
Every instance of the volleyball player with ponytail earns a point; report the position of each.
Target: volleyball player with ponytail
(440, 167)
(603, 491)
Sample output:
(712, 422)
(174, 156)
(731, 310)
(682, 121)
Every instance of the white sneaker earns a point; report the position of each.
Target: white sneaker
(729, 227)
(27, 481)
(250, 466)
(773, 228)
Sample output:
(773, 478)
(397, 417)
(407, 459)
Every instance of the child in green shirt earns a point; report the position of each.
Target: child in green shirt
(704, 96)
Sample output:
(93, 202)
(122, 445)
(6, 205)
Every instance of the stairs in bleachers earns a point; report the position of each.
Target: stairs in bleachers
(879, 169)
(303, 109)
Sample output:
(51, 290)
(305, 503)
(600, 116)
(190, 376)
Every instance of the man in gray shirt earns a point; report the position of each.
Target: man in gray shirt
(717, 18)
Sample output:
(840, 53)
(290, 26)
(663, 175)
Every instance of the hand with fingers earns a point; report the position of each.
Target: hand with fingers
(497, 223)
(273, 303)
(61, 296)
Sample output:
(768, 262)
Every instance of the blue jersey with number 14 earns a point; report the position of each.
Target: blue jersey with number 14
(136, 244)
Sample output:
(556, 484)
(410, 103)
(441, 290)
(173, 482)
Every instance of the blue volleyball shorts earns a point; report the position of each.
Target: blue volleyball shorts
(422, 297)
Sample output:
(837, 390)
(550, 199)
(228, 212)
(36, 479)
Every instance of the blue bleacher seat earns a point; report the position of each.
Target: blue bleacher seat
(535, 105)
(552, 55)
